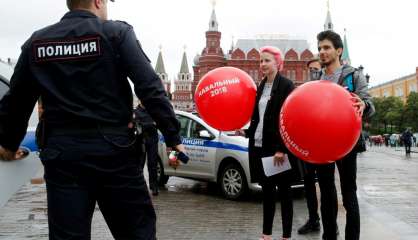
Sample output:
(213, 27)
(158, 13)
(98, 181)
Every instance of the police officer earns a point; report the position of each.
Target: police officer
(150, 141)
(79, 66)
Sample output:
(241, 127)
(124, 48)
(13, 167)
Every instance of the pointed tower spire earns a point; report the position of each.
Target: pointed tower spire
(160, 70)
(159, 67)
(213, 23)
(328, 22)
(184, 65)
(345, 56)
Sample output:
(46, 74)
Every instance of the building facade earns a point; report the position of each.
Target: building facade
(400, 87)
(183, 94)
(245, 55)
(160, 70)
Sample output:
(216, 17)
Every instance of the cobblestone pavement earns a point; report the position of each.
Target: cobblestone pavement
(186, 209)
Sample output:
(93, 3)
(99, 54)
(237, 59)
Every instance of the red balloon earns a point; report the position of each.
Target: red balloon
(318, 122)
(225, 98)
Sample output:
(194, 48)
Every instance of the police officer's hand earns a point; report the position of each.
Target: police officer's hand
(179, 148)
(7, 155)
(278, 158)
(359, 104)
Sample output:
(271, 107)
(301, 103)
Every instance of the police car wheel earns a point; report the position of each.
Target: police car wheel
(161, 177)
(233, 181)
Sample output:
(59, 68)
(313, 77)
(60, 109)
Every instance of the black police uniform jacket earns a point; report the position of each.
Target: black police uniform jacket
(272, 142)
(80, 68)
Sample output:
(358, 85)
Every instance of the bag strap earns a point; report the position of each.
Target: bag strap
(351, 85)
(341, 79)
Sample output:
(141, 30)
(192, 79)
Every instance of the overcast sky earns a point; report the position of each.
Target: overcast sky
(382, 35)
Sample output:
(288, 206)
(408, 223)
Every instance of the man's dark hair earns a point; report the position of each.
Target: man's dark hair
(314, 59)
(72, 4)
(332, 37)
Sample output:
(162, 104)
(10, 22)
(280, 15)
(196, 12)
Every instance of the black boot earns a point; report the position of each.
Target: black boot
(154, 190)
(310, 226)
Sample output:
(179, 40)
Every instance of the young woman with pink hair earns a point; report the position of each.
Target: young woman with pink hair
(265, 141)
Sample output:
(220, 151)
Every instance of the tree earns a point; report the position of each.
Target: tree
(376, 120)
(389, 115)
(411, 111)
(394, 112)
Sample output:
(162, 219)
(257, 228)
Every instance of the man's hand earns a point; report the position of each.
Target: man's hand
(358, 104)
(179, 148)
(278, 158)
(175, 162)
(7, 155)
(240, 132)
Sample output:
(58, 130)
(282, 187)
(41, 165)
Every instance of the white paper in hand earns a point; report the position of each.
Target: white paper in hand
(270, 169)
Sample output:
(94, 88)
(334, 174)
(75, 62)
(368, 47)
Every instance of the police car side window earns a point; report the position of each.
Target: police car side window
(195, 129)
(184, 125)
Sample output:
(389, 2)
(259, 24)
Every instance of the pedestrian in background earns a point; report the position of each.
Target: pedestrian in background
(407, 140)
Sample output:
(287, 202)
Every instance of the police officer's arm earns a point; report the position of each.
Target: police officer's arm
(361, 91)
(17, 104)
(148, 87)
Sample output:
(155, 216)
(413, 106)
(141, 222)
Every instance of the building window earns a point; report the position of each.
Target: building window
(399, 92)
(386, 93)
(412, 87)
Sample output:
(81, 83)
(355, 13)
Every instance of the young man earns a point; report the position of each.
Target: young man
(309, 178)
(330, 47)
(80, 67)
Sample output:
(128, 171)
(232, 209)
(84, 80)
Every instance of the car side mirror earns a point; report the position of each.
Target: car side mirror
(205, 134)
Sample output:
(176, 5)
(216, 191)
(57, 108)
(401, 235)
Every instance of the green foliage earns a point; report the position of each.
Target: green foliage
(411, 111)
(389, 116)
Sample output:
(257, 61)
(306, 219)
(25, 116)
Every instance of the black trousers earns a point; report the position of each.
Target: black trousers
(81, 171)
(150, 138)
(269, 206)
(329, 203)
(309, 180)
(408, 148)
(347, 168)
(270, 185)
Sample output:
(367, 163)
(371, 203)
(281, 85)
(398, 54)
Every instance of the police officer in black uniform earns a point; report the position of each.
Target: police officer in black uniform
(79, 66)
(149, 134)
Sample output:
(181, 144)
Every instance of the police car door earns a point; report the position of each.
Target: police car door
(184, 133)
(16, 173)
(201, 149)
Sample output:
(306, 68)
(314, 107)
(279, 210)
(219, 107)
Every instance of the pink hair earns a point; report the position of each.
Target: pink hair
(276, 53)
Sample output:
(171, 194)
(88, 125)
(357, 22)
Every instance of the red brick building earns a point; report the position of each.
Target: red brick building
(244, 54)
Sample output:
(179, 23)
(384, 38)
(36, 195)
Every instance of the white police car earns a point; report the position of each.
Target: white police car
(214, 156)
(14, 174)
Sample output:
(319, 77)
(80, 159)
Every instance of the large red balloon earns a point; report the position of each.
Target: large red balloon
(225, 98)
(318, 122)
